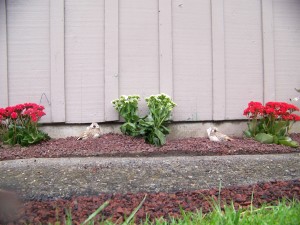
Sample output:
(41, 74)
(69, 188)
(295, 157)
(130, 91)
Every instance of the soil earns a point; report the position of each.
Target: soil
(161, 204)
(121, 145)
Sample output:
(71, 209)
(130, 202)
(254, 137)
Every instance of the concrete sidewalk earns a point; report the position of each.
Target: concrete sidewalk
(63, 177)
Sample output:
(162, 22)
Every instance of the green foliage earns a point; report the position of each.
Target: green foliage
(268, 132)
(131, 216)
(288, 142)
(286, 212)
(127, 106)
(254, 127)
(153, 127)
(2, 131)
(264, 138)
(23, 136)
(91, 217)
(155, 124)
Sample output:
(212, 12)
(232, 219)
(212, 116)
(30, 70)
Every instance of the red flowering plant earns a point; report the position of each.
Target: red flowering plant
(19, 124)
(270, 123)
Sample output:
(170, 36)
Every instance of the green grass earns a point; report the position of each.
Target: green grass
(286, 212)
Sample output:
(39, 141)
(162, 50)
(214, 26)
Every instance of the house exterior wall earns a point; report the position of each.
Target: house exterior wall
(84, 60)
(243, 55)
(28, 51)
(138, 48)
(211, 56)
(192, 60)
(287, 46)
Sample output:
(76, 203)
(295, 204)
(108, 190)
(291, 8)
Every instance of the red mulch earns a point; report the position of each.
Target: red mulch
(121, 145)
(156, 204)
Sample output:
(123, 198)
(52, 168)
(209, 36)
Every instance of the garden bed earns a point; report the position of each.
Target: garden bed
(156, 204)
(121, 145)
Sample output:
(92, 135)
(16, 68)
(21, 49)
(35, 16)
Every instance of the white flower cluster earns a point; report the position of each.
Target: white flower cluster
(124, 100)
(161, 101)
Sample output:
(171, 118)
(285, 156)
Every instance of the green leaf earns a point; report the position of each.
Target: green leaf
(103, 206)
(251, 126)
(155, 141)
(9, 141)
(247, 133)
(264, 138)
(280, 128)
(265, 128)
(276, 139)
(165, 130)
(288, 139)
(127, 221)
(130, 129)
(293, 144)
(161, 136)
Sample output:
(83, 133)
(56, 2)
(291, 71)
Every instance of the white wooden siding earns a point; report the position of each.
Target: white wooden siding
(192, 60)
(3, 56)
(211, 56)
(84, 60)
(218, 59)
(138, 48)
(165, 48)
(268, 50)
(243, 55)
(28, 47)
(57, 66)
(287, 47)
(111, 64)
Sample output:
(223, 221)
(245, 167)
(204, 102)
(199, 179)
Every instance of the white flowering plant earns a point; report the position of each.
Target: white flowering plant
(127, 106)
(153, 127)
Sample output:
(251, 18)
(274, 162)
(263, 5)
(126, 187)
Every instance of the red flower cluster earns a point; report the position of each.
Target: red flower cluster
(277, 110)
(26, 110)
(254, 110)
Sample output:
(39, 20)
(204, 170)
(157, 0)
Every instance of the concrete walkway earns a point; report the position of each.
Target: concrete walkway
(63, 177)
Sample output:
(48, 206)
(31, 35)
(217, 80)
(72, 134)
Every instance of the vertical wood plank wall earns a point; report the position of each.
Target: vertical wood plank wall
(287, 47)
(111, 65)
(57, 68)
(138, 48)
(211, 56)
(192, 60)
(3, 56)
(28, 49)
(84, 60)
(218, 59)
(165, 48)
(268, 50)
(243, 55)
